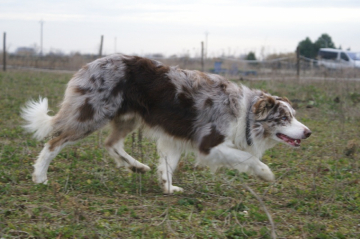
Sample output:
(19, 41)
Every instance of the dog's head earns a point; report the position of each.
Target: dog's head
(274, 118)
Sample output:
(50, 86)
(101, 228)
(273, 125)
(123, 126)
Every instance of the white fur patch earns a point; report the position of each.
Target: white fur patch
(37, 120)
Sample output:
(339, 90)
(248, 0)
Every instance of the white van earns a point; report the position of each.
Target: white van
(336, 58)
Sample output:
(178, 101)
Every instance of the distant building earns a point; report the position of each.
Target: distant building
(25, 51)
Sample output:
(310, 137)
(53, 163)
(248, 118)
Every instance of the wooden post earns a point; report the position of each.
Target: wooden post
(133, 143)
(101, 46)
(298, 61)
(140, 143)
(202, 56)
(4, 52)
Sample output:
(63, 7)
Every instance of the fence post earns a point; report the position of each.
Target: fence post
(202, 56)
(4, 52)
(140, 143)
(298, 61)
(101, 45)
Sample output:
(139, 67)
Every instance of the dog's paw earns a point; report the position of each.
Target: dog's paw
(146, 168)
(41, 178)
(172, 189)
(264, 172)
(140, 168)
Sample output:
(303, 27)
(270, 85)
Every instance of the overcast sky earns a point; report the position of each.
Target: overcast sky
(177, 27)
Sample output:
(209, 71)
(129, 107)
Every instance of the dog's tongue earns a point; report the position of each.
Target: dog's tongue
(287, 139)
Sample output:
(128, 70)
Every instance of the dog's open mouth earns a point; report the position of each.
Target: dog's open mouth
(287, 139)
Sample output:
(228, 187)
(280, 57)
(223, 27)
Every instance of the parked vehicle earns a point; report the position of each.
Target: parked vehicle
(337, 59)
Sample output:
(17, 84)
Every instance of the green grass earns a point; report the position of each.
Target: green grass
(316, 194)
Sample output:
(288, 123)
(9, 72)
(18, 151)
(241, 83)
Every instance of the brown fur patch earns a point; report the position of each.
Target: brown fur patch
(86, 111)
(112, 139)
(120, 129)
(81, 90)
(92, 79)
(206, 77)
(63, 138)
(56, 142)
(284, 99)
(264, 104)
(147, 90)
(208, 102)
(211, 140)
(223, 86)
(267, 131)
(185, 98)
(67, 136)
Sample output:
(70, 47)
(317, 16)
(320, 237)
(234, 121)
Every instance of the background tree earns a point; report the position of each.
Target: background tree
(307, 48)
(324, 41)
(251, 56)
(310, 49)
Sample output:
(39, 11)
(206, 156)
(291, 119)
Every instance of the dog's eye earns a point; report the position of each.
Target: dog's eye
(284, 118)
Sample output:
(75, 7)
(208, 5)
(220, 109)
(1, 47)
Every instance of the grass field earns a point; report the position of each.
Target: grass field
(316, 194)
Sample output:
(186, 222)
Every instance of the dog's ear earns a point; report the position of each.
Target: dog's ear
(263, 105)
(284, 99)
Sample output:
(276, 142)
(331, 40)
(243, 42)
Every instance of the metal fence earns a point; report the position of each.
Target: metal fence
(230, 67)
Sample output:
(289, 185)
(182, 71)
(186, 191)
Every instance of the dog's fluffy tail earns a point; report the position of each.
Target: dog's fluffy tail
(37, 119)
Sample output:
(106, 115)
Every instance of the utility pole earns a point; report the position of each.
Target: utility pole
(4, 52)
(206, 44)
(101, 45)
(41, 37)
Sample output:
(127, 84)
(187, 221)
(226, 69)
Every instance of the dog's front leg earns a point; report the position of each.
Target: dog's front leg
(169, 158)
(227, 156)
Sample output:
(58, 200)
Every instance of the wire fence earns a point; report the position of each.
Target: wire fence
(233, 68)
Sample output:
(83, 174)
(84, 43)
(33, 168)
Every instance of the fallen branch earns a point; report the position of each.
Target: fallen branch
(273, 234)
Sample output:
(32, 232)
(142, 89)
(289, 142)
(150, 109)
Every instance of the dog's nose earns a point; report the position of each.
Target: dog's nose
(307, 133)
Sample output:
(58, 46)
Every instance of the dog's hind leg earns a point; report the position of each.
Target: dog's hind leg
(115, 145)
(169, 158)
(49, 152)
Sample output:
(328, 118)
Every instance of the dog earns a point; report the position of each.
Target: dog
(225, 124)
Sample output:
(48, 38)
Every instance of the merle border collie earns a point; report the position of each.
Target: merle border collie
(184, 110)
